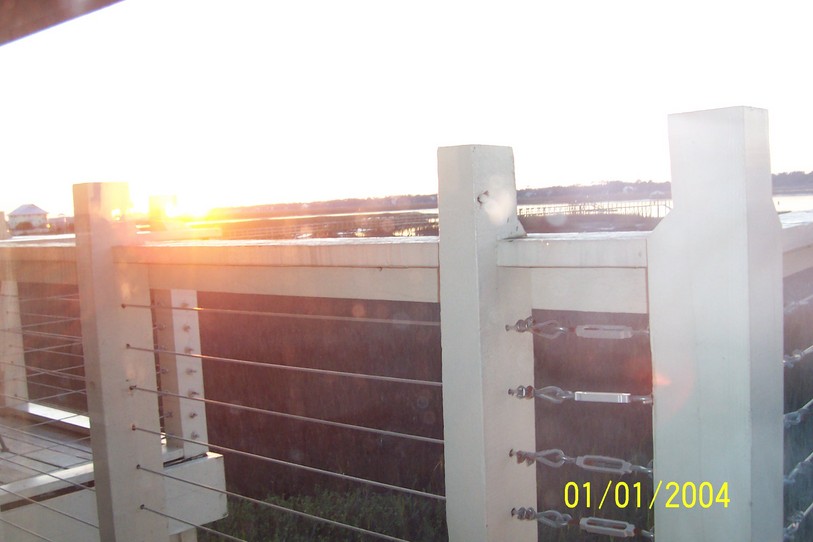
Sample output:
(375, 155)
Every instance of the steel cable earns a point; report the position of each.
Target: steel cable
(294, 416)
(355, 319)
(32, 533)
(293, 465)
(60, 512)
(328, 372)
(277, 507)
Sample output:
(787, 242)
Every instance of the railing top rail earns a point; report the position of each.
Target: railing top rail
(62, 251)
(363, 252)
(316, 242)
(595, 249)
(67, 239)
(797, 230)
(579, 249)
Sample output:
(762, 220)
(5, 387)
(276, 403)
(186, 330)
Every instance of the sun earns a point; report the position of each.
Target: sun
(176, 208)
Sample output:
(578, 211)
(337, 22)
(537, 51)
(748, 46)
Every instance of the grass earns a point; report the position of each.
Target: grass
(409, 518)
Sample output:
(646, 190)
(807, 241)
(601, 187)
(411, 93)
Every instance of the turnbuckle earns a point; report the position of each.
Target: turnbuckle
(551, 329)
(601, 463)
(557, 395)
(551, 393)
(609, 527)
(553, 518)
(611, 397)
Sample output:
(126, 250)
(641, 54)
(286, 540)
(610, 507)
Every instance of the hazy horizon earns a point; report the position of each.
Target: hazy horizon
(315, 100)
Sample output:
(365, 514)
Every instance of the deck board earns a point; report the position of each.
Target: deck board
(35, 449)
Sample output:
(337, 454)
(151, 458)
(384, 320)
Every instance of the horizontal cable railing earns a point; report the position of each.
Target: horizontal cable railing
(47, 507)
(47, 473)
(43, 374)
(54, 444)
(328, 423)
(323, 317)
(193, 396)
(278, 508)
(798, 506)
(26, 430)
(203, 528)
(596, 463)
(795, 522)
(260, 364)
(57, 297)
(61, 373)
(25, 530)
(793, 306)
(48, 324)
(556, 354)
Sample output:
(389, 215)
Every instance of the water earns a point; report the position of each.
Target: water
(793, 202)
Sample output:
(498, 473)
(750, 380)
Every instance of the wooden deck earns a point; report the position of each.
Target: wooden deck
(42, 454)
(47, 478)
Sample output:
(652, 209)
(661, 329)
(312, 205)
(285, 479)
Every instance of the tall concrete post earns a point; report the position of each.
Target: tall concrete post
(481, 361)
(12, 352)
(715, 292)
(111, 368)
(5, 233)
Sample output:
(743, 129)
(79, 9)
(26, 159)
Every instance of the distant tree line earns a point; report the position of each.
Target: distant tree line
(795, 181)
(342, 206)
(783, 183)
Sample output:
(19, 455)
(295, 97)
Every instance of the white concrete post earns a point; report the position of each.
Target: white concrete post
(715, 287)
(179, 331)
(481, 361)
(111, 368)
(4, 231)
(14, 378)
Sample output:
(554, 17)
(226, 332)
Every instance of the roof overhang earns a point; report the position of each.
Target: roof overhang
(20, 18)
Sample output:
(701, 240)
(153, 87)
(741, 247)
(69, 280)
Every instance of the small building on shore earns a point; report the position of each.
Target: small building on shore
(28, 218)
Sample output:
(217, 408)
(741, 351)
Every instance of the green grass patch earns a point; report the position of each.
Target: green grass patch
(401, 516)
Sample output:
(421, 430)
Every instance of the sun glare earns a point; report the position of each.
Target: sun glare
(173, 207)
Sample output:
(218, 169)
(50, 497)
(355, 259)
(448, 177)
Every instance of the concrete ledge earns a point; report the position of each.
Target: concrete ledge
(797, 230)
(610, 249)
(390, 252)
(797, 241)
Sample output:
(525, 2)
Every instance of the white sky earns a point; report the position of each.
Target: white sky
(259, 101)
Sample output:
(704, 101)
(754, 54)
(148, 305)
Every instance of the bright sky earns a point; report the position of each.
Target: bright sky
(258, 101)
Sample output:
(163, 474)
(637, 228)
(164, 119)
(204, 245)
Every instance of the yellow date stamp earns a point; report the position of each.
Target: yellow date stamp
(624, 495)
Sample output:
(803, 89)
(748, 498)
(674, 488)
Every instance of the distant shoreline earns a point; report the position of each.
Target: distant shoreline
(404, 203)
